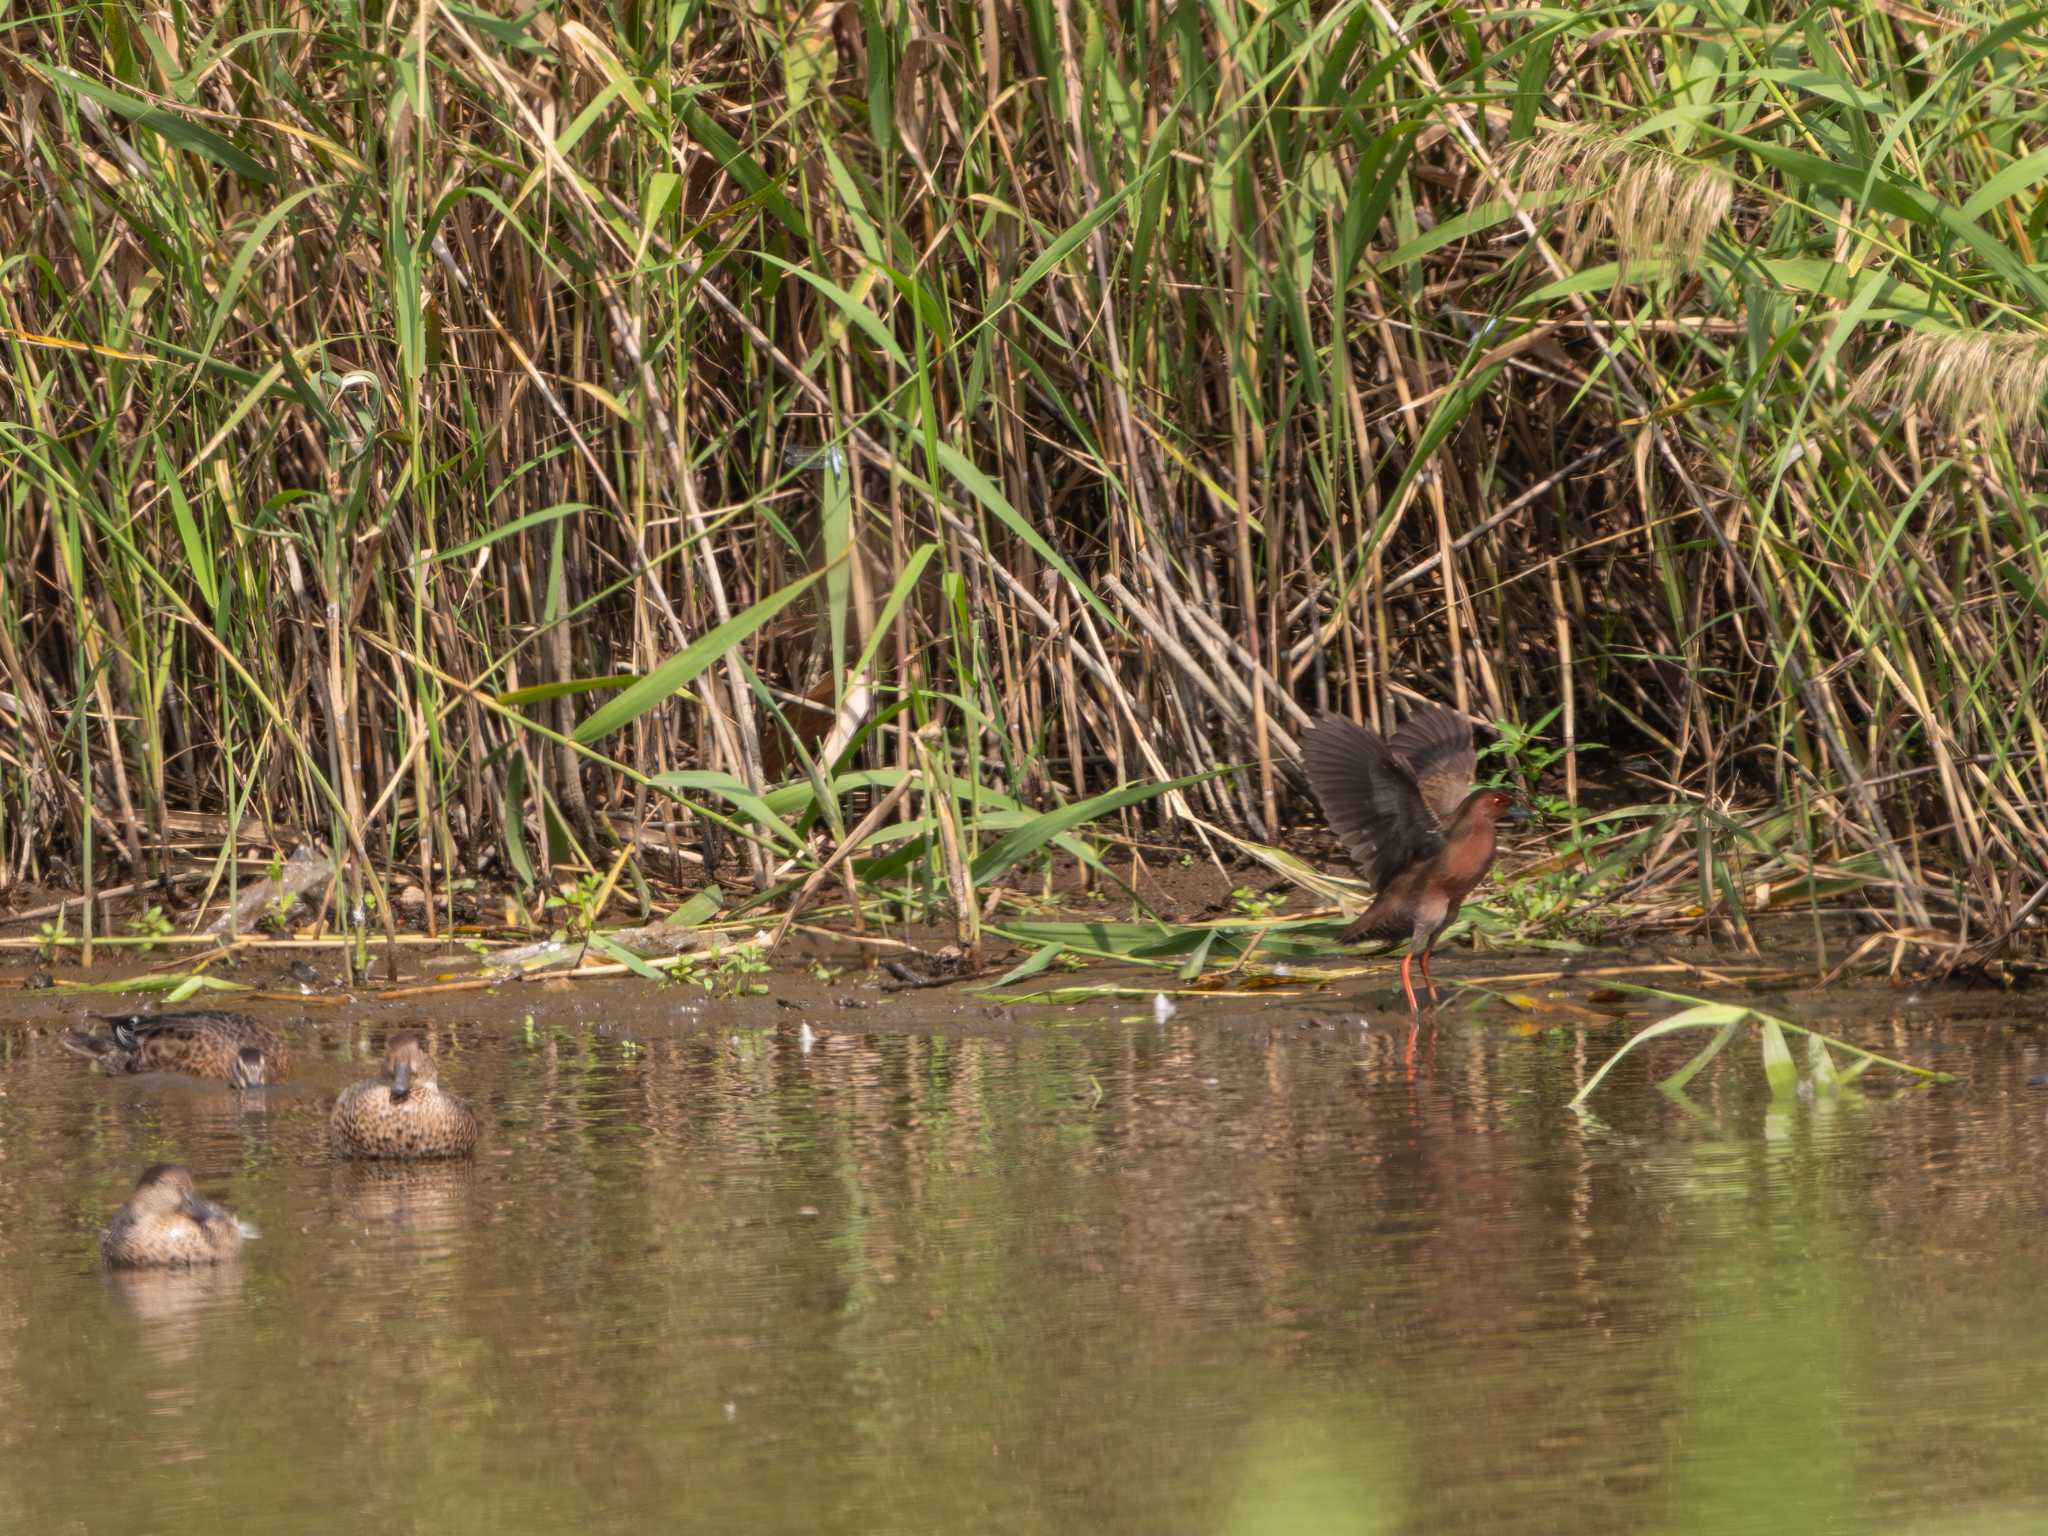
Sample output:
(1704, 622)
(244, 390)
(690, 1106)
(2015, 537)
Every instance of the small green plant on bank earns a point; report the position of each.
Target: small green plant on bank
(1578, 864)
(579, 904)
(739, 971)
(277, 916)
(1529, 757)
(1548, 901)
(726, 973)
(149, 926)
(51, 939)
(1256, 905)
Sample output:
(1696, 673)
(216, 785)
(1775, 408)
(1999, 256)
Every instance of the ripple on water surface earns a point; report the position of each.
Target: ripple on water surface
(1244, 1270)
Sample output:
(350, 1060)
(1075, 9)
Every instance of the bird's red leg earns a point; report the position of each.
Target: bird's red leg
(1414, 1015)
(1425, 975)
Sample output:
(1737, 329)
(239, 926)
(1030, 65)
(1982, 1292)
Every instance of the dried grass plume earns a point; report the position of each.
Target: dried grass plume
(1654, 204)
(1962, 375)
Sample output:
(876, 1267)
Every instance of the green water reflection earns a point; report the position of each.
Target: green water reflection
(1241, 1274)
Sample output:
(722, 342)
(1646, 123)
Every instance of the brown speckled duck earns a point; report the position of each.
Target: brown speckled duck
(167, 1221)
(402, 1112)
(203, 1042)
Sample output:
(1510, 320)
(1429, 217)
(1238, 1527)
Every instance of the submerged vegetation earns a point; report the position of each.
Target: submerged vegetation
(1823, 1079)
(567, 448)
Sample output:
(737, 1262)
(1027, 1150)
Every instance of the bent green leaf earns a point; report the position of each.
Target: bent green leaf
(681, 669)
(1040, 830)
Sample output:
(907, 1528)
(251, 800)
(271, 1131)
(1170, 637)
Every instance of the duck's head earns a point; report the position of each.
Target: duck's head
(126, 1034)
(406, 1062)
(166, 1189)
(248, 1069)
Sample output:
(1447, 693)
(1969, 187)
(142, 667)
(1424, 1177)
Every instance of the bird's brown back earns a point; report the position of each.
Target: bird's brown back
(200, 1043)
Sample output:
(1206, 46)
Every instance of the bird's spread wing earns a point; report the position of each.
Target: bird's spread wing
(1436, 745)
(1370, 798)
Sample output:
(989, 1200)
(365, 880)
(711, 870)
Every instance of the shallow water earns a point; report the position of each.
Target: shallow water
(1248, 1270)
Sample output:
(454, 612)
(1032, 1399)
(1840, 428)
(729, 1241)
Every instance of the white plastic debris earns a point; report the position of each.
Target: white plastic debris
(1163, 1008)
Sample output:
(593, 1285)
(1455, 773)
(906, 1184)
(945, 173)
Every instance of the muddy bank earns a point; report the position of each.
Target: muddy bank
(829, 986)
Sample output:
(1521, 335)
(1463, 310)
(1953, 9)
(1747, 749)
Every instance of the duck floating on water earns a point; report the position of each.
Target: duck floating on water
(202, 1042)
(402, 1112)
(1405, 809)
(167, 1221)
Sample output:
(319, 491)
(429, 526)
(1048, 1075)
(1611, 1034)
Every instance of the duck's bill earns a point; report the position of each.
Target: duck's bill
(86, 1043)
(198, 1207)
(401, 1080)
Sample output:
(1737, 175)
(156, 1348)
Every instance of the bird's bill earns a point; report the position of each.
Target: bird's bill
(1515, 812)
(401, 1079)
(197, 1206)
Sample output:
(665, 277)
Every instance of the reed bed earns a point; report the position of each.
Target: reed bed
(878, 442)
